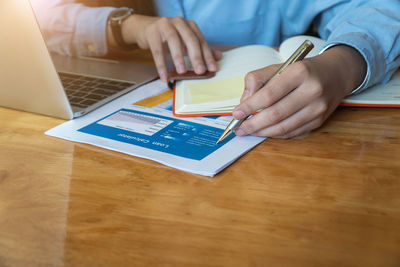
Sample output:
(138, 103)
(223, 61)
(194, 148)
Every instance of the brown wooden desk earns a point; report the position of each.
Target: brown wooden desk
(331, 198)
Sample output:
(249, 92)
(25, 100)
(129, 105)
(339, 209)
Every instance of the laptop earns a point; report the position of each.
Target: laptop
(33, 80)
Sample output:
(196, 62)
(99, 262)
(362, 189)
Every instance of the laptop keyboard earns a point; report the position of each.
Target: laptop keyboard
(83, 91)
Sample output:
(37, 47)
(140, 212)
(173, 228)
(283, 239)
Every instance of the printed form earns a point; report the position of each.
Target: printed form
(188, 144)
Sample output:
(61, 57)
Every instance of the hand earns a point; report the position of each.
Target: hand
(177, 35)
(302, 97)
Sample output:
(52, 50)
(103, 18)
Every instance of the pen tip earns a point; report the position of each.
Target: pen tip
(224, 135)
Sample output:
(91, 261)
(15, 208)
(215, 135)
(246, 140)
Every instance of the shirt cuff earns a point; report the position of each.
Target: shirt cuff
(372, 54)
(91, 31)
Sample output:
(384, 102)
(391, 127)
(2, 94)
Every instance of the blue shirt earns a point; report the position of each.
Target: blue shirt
(370, 26)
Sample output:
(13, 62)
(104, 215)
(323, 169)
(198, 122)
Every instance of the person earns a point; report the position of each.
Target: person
(362, 49)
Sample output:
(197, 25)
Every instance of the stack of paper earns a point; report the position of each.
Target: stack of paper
(187, 144)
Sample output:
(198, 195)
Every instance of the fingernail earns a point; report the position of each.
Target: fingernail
(240, 132)
(200, 69)
(238, 114)
(213, 66)
(163, 76)
(180, 68)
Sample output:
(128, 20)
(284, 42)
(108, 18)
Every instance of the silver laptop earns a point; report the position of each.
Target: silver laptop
(33, 80)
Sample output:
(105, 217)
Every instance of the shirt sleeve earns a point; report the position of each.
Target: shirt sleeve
(372, 28)
(70, 28)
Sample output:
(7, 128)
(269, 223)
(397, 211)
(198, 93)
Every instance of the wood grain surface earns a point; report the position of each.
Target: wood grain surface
(331, 198)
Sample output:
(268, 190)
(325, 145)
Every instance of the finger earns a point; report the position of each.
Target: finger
(302, 130)
(273, 91)
(175, 45)
(323, 111)
(254, 80)
(207, 52)
(192, 44)
(292, 103)
(295, 124)
(157, 50)
(217, 55)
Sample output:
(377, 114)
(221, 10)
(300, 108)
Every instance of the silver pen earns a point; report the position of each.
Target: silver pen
(299, 54)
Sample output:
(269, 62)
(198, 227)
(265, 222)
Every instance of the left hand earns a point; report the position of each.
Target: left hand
(175, 36)
(302, 97)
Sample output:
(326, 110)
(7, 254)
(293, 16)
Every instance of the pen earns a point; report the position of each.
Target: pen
(299, 54)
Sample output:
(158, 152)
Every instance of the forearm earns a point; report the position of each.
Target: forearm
(71, 28)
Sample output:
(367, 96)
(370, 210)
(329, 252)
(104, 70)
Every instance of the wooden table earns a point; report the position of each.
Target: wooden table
(331, 198)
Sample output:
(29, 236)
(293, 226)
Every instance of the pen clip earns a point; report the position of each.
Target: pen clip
(300, 53)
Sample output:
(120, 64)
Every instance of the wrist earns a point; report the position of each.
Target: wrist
(133, 29)
(128, 29)
(114, 28)
(350, 66)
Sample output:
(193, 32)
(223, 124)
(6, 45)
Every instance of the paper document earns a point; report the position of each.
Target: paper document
(154, 133)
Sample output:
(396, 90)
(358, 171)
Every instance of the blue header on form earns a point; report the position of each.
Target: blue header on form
(169, 135)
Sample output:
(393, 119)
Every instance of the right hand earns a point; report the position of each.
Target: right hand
(302, 97)
(178, 36)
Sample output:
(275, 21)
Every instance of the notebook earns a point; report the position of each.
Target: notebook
(36, 81)
(220, 94)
